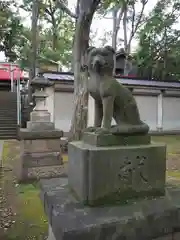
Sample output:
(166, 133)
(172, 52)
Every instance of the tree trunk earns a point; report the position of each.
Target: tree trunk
(125, 41)
(32, 72)
(114, 36)
(116, 26)
(54, 37)
(81, 43)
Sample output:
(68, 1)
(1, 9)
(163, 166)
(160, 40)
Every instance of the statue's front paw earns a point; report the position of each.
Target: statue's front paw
(101, 131)
(90, 129)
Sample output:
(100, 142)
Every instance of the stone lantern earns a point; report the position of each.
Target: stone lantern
(40, 141)
(40, 117)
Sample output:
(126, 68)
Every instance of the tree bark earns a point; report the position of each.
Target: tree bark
(55, 38)
(114, 36)
(125, 40)
(83, 16)
(32, 72)
(81, 43)
(116, 26)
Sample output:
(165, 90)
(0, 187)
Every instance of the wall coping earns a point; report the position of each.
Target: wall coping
(68, 77)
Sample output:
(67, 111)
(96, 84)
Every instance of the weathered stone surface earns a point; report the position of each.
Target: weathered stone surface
(138, 220)
(172, 236)
(100, 175)
(114, 140)
(38, 165)
(40, 116)
(25, 175)
(112, 99)
(43, 126)
(47, 134)
(41, 159)
(40, 145)
(167, 237)
(41, 82)
(41, 153)
(176, 236)
(45, 172)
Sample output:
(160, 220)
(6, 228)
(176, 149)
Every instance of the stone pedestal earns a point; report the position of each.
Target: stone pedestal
(115, 190)
(99, 175)
(40, 155)
(40, 142)
(152, 219)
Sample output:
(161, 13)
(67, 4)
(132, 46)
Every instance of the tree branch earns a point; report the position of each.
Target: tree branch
(125, 29)
(89, 6)
(64, 8)
(135, 26)
(133, 17)
(119, 18)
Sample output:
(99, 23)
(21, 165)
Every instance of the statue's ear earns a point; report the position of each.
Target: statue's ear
(90, 49)
(111, 49)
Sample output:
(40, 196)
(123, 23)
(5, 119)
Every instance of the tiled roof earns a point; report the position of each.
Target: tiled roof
(5, 72)
(59, 76)
(68, 77)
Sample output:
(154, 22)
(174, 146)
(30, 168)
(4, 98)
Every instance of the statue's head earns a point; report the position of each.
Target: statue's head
(100, 59)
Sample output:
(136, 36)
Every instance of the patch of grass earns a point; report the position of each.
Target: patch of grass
(166, 139)
(5, 152)
(65, 157)
(175, 174)
(32, 208)
(32, 222)
(172, 142)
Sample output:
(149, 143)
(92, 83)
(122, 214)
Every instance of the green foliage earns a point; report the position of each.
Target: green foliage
(55, 34)
(11, 27)
(158, 55)
(108, 4)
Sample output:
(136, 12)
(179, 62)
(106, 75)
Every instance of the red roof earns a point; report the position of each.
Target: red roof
(5, 74)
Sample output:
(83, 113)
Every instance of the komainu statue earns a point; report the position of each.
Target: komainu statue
(112, 99)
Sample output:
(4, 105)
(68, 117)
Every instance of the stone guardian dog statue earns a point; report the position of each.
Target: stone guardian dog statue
(112, 99)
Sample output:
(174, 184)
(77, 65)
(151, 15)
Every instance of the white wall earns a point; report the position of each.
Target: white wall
(91, 112)
(171, 113)
(63, 110)
(148, 108)
(147, 114)
(50, 102)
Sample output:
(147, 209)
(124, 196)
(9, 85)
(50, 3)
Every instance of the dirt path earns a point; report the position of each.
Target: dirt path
(8, 210)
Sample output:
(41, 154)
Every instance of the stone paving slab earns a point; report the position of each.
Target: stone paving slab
(141, 220)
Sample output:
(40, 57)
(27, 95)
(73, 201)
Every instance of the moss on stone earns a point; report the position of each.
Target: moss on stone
(126, 197)
(120, 198)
